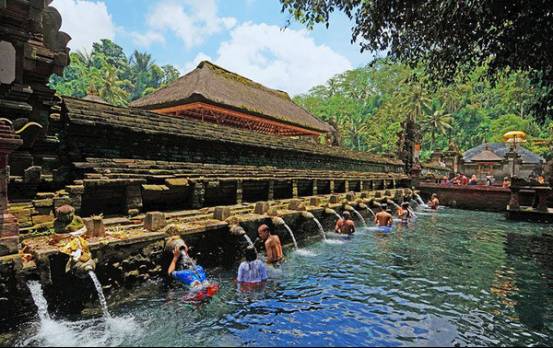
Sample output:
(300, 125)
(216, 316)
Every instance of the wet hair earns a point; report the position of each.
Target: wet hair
(405, 205)
(251, 254)
(434, 195)
(346, 214)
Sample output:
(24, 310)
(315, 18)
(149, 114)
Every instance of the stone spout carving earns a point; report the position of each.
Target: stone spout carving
(80, 258)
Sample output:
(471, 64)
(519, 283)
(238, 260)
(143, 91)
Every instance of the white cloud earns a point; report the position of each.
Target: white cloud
(283, 59)
(85, 21)
(145, 40)
(193, 21)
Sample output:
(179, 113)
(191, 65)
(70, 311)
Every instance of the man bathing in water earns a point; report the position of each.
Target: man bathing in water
(273, 247)
(383, 218)
(434, 202)
(405, 213)
(345, 225)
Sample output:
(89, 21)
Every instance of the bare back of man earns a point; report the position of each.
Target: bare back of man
(345, 226)
(383, 219)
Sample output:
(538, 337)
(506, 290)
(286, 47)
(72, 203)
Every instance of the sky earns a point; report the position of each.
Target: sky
(244, 36)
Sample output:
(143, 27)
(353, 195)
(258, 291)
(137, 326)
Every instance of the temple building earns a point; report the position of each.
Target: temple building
(213, 94)
(500, 160)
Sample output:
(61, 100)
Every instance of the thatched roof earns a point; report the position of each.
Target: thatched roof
(500, 150)
(212, 84)
(486, 156)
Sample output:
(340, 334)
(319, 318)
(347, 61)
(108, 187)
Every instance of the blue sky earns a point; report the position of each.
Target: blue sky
(245, 36)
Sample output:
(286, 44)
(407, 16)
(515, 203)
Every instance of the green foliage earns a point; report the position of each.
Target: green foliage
(369, 104)
(109, 74)
(447, 34)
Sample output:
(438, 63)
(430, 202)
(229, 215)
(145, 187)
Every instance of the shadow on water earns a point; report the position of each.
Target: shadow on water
(452, 278)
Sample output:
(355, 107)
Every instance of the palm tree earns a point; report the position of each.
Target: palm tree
(416, 102)
(141, 65)
(112, 89)
(437, 121)
(86, 58)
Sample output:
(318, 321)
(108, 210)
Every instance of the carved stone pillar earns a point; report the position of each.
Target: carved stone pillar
(9, 230)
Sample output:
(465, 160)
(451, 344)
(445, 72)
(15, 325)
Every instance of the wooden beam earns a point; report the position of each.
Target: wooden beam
(225, 116)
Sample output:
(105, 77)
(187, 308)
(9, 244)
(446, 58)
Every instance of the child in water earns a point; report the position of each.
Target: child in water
(252, 271)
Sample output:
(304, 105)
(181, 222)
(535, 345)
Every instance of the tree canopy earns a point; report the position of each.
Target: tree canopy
(447, 34)
(369, 104)
(108, 73)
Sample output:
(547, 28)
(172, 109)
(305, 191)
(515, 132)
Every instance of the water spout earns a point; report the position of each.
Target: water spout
(291, 235)
(332, 212)
(248, 240)
(100, 292)
(278, 221)
(38, 297)
(371, 211)
(419, 199)
(358, 214)
(237, 230)
(321, 229)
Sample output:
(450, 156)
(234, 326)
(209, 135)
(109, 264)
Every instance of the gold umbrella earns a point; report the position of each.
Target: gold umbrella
(515, 137)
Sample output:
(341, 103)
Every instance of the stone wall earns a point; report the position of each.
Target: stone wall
(488, 198)
(99, 130)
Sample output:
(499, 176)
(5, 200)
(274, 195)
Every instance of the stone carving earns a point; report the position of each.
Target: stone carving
(67, 222)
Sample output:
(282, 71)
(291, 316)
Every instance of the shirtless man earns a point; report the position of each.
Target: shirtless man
(273, 247)
(345, 225)
(383, 218)
(434, 202)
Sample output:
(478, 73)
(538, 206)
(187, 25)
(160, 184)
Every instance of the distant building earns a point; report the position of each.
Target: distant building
(500, 160)
(213, 94)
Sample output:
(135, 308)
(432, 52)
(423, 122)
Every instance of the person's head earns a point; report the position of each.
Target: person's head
(263, 232)
(434, 195)
(346, 215)
(505, 179)
(405, 205)
(251, 254)
(473, 178)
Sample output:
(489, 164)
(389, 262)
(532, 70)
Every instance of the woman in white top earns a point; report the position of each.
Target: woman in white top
(252, 271)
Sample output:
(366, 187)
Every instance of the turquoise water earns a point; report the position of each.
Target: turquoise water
(452, 278)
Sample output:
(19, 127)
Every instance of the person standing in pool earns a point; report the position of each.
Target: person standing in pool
(405, 213)
(345, 225)
(383, 218)
(252, 271)
(434, 202)
(273, 246)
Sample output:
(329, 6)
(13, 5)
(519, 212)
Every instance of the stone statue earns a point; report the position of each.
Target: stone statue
(67, 222)
(80, 258)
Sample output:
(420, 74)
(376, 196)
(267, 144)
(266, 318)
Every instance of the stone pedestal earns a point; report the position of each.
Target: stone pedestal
(154, 221)
(221, 213)
(543, 194)
(261, 208)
